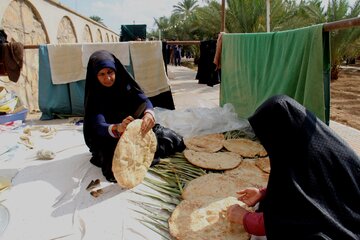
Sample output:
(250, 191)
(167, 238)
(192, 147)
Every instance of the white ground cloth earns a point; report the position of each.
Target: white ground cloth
(48, 198)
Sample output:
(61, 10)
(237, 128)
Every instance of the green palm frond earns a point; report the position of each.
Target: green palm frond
(153, 227)
(170, 176)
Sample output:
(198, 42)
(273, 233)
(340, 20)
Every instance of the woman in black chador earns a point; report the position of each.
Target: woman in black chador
(112, 100)
(314, 184)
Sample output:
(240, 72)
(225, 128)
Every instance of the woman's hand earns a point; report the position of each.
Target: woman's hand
(235, 214)
(250, 196)
(148, 123)
(122, 126)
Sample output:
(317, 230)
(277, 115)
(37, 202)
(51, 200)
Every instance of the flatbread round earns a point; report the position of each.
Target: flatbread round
(245, 147)
(214, 185)
(133, 155)
(249, 173)
(205, 143)
(215, 161)
(205, 219)
(263, 164)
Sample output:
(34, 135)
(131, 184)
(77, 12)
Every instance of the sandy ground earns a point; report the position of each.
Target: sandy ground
(345, 97)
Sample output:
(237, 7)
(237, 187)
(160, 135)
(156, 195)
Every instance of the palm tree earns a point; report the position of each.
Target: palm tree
(285, 15)
(97, 19)
(164, 25)
(245, 16)
(344, 43)
(183, 19)
(208, 20)
(184, 9)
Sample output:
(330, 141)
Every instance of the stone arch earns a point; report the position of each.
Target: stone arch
(23, 23)
(66, 31)
(112, 38)
(87, 36)
(107, 37)
(98, 36)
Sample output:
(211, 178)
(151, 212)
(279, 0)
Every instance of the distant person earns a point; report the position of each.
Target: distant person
(177, 55)
(172, 54)
(112, 100)
(314, 184)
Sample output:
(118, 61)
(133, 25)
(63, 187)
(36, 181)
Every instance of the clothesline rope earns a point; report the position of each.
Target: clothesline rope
(337, 25)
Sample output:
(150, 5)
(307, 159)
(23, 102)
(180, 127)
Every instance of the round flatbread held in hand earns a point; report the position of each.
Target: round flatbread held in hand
(133, 155)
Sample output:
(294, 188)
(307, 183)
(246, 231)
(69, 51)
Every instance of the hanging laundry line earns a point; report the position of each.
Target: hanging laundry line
(342, 24)
(331, 26)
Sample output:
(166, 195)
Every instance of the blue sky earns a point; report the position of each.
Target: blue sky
(121, 12)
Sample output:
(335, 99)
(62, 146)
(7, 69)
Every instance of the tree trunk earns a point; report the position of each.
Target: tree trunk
(334, 72)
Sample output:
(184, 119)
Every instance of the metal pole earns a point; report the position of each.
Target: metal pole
(194, 42)
(222, 28)
(268, 15)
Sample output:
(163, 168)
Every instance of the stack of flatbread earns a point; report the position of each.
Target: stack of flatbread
(213, 185)
(249, 173)
(263, 163)
(214, 152)
(205, 143)
(202, 212)
(133, 155)
(245, 147)
(204, 151)
(205, 219)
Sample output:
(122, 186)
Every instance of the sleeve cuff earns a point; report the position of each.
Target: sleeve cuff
(254, 223)
(151, 112)
(113, 132)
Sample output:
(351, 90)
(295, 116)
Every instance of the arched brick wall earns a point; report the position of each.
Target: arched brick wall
(36, 22)
(66, 31)
(87, 36)
(99, 37)
(22, 23)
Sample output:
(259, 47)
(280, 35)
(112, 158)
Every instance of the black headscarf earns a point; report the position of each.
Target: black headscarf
(115, 102)
(313, 190)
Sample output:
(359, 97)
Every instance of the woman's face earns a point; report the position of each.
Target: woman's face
(106, 77)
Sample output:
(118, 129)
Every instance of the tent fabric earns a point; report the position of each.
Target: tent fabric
(52, 98)
(57, 99)
(132, 32)
(257, 66)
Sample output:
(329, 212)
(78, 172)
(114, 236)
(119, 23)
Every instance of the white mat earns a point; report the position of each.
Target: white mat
(48, 198)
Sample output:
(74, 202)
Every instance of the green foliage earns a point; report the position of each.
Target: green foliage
(246, 16)
(97, 19)
(191, 22)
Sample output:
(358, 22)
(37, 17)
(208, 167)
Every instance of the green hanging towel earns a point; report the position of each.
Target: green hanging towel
(256, 66)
